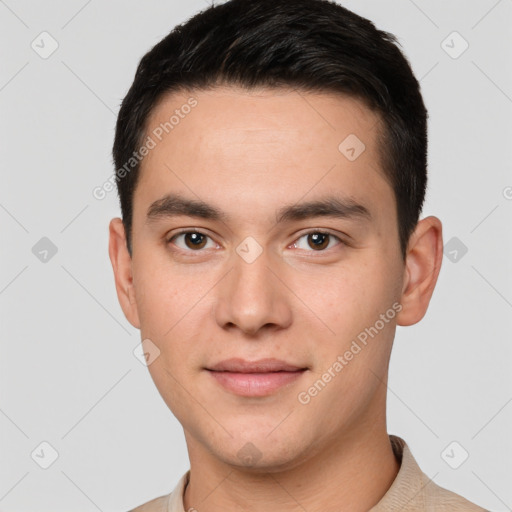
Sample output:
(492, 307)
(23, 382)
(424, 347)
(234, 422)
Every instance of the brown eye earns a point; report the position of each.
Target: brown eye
(192, 240)
(316, 240)
(195, 240)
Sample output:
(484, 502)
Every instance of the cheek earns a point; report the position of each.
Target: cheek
(353, 296)
(163, 295)
(169, 308)
(350, 303)
(173, 307)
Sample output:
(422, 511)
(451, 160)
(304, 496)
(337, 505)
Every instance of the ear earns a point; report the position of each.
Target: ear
(422, 266)
(122, 266)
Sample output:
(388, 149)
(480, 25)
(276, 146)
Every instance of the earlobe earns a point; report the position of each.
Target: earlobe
(122, 267)
(422, 266)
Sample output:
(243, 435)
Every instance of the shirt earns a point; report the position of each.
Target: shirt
(411, 491)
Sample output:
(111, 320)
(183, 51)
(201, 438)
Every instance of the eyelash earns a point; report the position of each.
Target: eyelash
(313, 231)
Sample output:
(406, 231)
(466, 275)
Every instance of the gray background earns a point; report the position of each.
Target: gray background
(68, 375)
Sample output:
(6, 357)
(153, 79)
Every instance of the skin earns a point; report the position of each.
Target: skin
(249, 154)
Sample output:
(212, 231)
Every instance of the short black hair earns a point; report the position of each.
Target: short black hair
(307, 45)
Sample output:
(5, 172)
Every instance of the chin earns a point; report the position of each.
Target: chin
(259, 452)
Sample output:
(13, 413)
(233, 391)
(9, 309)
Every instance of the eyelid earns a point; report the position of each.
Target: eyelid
(325, 231)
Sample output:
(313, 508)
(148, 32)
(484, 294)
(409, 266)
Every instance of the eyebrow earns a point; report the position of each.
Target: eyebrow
(172, 205)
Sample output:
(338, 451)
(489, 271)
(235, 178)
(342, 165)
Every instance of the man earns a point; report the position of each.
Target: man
(271, 167)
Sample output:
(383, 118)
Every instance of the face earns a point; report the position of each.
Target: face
(293, 259)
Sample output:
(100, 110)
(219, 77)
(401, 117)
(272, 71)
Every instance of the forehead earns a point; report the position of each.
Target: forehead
(264, 116)
(234, 140)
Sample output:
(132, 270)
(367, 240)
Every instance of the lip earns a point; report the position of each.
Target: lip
(237, 365)
(254, 378)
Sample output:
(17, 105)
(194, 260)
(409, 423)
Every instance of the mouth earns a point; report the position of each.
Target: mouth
(255, 378)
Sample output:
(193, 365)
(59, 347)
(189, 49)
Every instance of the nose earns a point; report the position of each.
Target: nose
(251, 298)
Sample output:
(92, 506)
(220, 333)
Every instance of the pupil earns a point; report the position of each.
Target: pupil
(195, 238)
(319, 240)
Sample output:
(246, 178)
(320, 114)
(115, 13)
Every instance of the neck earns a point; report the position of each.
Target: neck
(352, 474)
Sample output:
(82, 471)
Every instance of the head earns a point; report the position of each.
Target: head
(274, 213)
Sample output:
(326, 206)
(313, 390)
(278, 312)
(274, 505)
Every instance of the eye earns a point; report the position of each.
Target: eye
(316, 240)
(193, 240)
